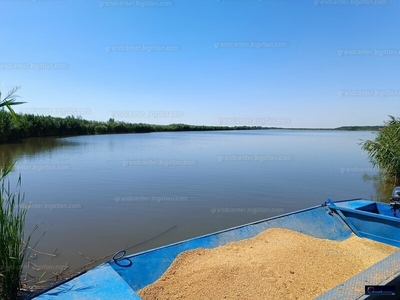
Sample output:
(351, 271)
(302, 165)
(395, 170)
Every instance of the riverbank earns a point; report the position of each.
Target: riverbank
(30, 125)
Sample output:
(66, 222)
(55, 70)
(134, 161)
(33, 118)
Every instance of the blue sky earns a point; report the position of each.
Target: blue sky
(282, 63)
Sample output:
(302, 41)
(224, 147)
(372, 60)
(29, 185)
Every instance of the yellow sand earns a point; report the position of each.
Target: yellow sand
(276, 264)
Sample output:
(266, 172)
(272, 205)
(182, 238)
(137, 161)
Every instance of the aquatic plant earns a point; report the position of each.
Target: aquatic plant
(14, 247)
(384, 151)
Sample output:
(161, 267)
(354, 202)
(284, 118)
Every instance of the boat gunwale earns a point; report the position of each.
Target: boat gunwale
(236, 227)
(365, 213)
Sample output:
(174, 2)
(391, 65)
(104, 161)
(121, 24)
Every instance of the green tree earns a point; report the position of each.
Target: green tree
(100, 129)
(5, 125)
(110, 125)
(384, 151)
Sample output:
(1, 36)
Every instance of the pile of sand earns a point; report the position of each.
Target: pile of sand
(276, 264)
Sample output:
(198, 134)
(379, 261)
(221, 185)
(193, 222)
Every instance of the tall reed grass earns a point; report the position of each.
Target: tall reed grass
(384, 150)
(14, 247)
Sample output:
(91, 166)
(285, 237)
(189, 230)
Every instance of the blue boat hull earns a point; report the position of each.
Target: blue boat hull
(129, 274)
(370, 219)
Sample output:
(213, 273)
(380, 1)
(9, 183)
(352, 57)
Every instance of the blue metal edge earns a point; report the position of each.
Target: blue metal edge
(148, 266)
(239, 226)
(365, 213)
(345, 233)
(101, 282)
(384, 272)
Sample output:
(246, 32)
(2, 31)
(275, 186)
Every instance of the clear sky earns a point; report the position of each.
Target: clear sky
(285, 63)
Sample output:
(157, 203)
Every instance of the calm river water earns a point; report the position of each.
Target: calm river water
(99, 194)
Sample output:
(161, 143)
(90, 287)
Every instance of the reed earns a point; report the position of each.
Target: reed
(14, 247)
(384, 151)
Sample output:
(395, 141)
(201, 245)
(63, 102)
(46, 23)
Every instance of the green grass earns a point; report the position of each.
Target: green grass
(14, 247)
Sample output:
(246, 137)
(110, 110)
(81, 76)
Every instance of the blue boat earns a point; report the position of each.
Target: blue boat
(370, 219)
(123, 276)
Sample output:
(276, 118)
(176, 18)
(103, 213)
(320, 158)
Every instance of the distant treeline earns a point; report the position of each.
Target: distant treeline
(355, 128)
(29, 125)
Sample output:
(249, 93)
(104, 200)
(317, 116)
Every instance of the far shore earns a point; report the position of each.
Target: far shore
(29, 126)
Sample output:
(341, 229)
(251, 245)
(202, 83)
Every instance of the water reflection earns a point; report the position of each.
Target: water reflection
(11, 152)
(382, 184)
